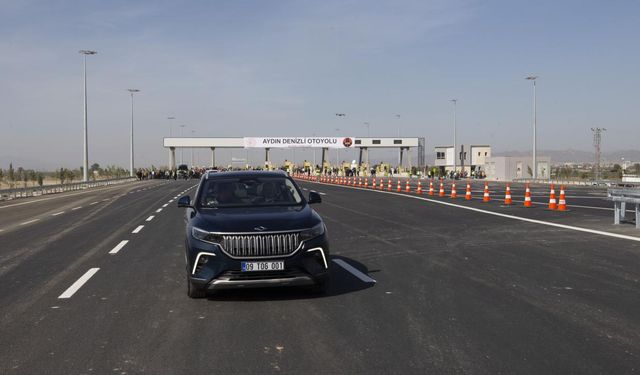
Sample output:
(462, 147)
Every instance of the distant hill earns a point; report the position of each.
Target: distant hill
(578, 156)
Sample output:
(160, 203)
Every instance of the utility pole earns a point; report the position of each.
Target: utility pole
(597, 138)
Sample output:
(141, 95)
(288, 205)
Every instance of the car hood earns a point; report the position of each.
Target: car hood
(273, 219)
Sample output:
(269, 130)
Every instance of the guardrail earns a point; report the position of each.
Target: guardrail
(35, 191)
(620, 198)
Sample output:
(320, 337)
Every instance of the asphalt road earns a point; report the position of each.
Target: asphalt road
(420, 285)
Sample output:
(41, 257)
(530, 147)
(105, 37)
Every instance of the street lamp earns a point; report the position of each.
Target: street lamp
(535, 167)
(170, 118)
(181, 148)
(192, 133)
(132, 91)
(399, 151)
(455, 107)
(85, 163)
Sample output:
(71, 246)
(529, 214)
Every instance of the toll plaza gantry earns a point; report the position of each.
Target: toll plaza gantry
(363, 144)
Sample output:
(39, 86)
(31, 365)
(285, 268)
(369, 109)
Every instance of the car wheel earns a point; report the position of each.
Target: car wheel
(321, 287)
(194, 292)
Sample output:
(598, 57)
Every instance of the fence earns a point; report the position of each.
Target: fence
(35, 191)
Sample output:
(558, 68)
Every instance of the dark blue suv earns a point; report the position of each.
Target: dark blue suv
(253, 229)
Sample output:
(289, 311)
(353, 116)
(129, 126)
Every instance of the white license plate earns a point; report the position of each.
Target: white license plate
(262, 266)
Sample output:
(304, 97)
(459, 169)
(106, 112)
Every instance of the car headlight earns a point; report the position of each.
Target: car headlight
(205, 236)
(314, 232)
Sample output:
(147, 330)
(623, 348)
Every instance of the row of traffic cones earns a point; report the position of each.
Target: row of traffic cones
(557, 205)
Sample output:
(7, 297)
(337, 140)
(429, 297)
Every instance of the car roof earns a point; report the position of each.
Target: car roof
(235, 174)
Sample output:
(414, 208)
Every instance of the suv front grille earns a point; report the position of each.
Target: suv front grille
(260, 245)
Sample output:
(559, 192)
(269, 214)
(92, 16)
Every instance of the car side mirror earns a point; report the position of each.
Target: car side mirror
(184, 201)
(314, 197)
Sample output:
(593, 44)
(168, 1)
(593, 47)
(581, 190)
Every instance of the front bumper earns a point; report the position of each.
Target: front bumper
(309, 265)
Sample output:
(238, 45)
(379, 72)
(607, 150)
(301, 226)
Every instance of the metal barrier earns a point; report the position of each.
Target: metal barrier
(35, 191)
(620, 198)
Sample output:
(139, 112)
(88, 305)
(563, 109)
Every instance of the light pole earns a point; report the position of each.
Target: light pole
(337, 130)
(132, 91)
(535, 166)
(85, 162)
(455, 150)
(192, 133)
(170, 118)
(399, 151)
(181, 148)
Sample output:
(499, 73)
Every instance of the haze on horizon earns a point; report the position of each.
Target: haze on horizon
(255, 68)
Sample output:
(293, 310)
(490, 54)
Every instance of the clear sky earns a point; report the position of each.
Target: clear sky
(255, 68)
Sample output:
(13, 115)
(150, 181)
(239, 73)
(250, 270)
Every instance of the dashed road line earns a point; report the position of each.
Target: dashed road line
(118, 247)
(78, 284)
(29, 222)
(92, 203)
(150, 218)
(165, 205)
(354, 271)
(57, 213)
(158, 210)
(76, 208)
(138, 229)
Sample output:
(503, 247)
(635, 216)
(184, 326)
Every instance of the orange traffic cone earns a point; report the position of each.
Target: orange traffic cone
(373, 186)
(441, 193)
(366, 182)
(562, 203)
(399, 188)
(419, 190)
(431, 192)
(389, 188)
(381, 187)
(454, 193)
(552, 199)
(507, 196)
(407, 188)
(467, 194)
(527, 196)
(485, 197)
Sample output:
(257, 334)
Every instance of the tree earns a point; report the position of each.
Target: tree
(40, 179)
(62, 175)
(1, 174)
(33, 176)
(529, 171)
(70, 175)
(12, 176)
(636, 169)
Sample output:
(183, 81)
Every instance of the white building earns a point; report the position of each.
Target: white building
(508, 168)
(473, 160)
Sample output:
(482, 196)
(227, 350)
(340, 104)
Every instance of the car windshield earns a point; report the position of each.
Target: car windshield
(247, 192)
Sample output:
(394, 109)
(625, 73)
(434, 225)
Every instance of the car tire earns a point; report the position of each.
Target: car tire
(194, 292)
(321, 287)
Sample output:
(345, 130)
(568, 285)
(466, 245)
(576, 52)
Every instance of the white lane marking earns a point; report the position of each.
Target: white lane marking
(57, 213)
(118, 247)
(534, 221)
(92, 203)
(165, 205)
(353, 271)
(76, 208)
(321, 193)
(171, 201)
(150, 218)
(158, 210)
(29, 222)
(78, 284)
(106, 199)
(138, 229)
